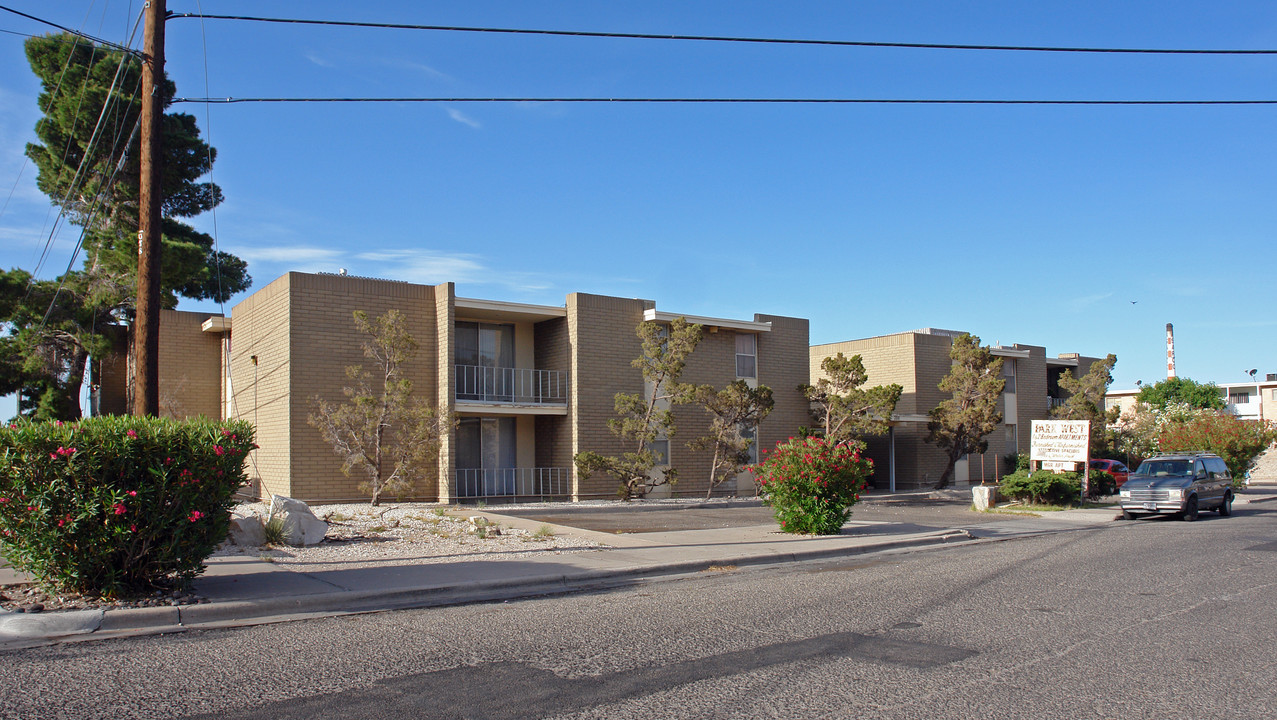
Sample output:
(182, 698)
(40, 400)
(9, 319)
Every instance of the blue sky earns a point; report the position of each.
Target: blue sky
(1031, 224)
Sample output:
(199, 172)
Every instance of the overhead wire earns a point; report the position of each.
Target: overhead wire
(728, 39)
(77, 33)
(722, 100)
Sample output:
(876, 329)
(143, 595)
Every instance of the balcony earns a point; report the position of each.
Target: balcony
(1055, 402)
(510, 386)
(540, 483)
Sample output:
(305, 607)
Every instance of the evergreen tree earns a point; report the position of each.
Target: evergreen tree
(841, 408)
(961, 424)
(88, 165)
(1086, 402)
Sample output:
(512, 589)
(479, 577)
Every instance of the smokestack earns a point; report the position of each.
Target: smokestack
(1170, 352)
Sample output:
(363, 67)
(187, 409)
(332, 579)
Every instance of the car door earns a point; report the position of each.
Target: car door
(1203, 485)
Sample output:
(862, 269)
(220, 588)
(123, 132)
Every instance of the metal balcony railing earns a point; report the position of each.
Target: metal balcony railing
(511, 385)
(541, 483)
(1053, 402)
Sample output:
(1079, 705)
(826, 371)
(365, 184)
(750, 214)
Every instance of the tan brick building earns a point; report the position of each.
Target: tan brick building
(917, 361)
(529, 385)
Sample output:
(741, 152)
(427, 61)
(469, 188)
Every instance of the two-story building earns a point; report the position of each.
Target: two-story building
(530, 386)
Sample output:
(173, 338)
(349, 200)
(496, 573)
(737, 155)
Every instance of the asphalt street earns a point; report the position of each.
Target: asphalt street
(1147, 619)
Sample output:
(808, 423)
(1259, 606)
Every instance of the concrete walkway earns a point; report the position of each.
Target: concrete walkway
(245, 591)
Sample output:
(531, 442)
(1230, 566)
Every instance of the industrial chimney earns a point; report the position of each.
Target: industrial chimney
(1170, 352)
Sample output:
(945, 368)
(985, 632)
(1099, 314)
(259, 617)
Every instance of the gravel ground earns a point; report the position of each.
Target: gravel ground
(418, 533)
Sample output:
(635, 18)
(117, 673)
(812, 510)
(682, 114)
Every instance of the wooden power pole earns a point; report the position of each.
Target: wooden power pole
(146, 325)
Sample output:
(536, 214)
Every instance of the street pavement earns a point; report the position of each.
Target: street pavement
(645, 544)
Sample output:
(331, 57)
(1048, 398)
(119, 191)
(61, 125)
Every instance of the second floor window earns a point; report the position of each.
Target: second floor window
(746, 355)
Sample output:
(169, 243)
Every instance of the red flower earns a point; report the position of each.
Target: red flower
(119, 508)
(195, 515)
(219, 450)
(131, 433)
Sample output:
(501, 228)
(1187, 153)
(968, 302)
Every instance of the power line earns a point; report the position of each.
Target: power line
(707, 101)
(720, 38)
(69, 31)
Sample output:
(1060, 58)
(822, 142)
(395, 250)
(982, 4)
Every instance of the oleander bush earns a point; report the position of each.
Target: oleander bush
(811, 484)
(116, 506)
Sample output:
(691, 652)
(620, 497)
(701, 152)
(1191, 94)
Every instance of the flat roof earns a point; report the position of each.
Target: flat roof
(216, 324)
(499, 310)
(745, 325)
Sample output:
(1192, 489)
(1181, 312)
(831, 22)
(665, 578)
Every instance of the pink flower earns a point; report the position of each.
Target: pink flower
(133, 528)
(31, 508)
(133, 493)
(131, 433)
(3, 500)
(195, 515)
(219, 450)
(119, 508)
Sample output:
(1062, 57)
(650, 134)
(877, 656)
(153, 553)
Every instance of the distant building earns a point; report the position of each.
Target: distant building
(917, 361)
(1255, 400)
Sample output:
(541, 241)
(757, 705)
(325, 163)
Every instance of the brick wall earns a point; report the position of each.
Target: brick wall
(441, 353)
(603, 346)
(552, 351)
(782, 366)
(260, 388)
(190, 366)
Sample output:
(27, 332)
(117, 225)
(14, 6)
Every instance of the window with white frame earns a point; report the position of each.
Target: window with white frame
(1239, 397)
(746, 355)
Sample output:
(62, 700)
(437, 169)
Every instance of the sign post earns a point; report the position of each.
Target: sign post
(1058, 445)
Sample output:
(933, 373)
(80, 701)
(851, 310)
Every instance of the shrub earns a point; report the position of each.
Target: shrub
(1238, 442)
(811, 484)
(1042, 487)
(112, 506)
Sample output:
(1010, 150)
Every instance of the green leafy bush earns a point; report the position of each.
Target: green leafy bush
(811, 484)
(113, 506)
(1239, 442)
(1042, 487)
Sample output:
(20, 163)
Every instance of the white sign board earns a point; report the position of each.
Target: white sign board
(1060, 440)
(1058, 465)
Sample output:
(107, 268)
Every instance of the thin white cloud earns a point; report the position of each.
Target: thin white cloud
(287, 254)
(322, 62)
(420, 68)
(1078, 304)
(423, 266)
(462, 118)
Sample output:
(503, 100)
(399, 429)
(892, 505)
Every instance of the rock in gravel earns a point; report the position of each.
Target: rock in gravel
(247, 530)
(301, 527)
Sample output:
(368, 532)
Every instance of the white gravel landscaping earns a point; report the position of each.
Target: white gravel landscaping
(406, 533)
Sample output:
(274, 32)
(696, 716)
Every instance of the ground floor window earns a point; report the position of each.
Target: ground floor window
(487, 456)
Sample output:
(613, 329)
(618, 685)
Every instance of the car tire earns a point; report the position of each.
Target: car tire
(1226, 507)
(1128, 515)
(1190, 510)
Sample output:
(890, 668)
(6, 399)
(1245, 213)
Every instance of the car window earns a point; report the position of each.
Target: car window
(1218, 468)
(1119, 467)
(1199, 468)
(1160, 468)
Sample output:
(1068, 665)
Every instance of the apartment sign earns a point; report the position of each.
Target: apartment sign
(1060, 441)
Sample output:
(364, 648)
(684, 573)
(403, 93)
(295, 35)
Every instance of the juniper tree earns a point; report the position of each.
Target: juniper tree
(961, 424)
(643, 418)
(1086, 401)
(731, 409)
(843, 409)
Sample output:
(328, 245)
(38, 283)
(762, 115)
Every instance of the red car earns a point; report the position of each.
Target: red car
(1112, 467)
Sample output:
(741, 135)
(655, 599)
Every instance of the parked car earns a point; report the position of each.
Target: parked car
(1178, 483)
(1114, 468)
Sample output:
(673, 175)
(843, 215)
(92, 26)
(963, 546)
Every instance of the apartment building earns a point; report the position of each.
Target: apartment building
(917, 361)
(529, 385)
(1255, 400)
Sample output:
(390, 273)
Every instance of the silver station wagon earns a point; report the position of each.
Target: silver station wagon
(1178, 483)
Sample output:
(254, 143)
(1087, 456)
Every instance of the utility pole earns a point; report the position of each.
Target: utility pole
(146, 325)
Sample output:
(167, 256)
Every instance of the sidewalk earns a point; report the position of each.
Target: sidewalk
(244, 590)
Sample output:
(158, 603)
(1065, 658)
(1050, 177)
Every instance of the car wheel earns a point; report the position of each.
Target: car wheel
(1128, 515)
(1226, 507)
(1190, 509)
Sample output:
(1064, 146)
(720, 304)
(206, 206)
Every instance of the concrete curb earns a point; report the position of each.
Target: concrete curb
(133, 621)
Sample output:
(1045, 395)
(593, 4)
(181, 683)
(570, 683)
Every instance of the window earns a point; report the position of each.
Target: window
(486, 456)
(661, 449)
(484, 354)
(1008, 374)
(750, 432)
(746, 355)
(1012, 439)
(1239, 397)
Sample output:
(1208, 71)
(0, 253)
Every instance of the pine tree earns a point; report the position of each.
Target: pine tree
(961, 424)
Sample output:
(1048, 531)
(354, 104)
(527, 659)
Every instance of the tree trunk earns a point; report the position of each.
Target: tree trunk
(948, 470)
